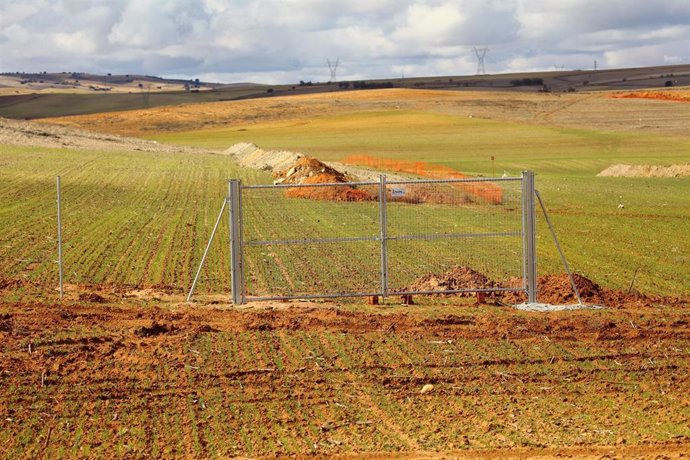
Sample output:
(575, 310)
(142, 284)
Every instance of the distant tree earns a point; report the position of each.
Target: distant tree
(668, 83)
(269, 90)
(197, 83)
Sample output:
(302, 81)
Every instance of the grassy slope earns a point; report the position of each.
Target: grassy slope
(604, 242)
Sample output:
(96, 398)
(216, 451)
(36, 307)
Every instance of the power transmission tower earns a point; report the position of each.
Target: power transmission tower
(481, 54)
(333, 66)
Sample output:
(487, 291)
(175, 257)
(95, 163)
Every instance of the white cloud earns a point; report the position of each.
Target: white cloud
(289, 40)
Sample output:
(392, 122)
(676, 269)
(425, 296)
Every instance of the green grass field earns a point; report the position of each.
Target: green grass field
(142, 219)
(146, 376)
(605, 243)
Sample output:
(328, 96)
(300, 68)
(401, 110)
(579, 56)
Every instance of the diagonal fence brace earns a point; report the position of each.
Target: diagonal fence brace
(558, 246)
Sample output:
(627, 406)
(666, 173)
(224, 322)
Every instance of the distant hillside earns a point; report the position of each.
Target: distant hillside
(44, 95)
(80, 82)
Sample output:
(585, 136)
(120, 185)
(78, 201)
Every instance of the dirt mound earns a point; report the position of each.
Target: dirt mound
(621, 170)
(455, 279)
(307, 167)
(252, 156)
(552, 289)
(557, 290)
(308, 170)
(156, 328)
(26, 133)
(296, 168)
(91, 297)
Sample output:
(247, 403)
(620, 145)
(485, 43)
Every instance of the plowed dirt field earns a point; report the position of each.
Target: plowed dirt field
(446, 379)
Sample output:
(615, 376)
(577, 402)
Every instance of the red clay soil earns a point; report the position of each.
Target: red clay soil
(552, 289)
(455, 279)
(308, 170)
(557, 290)
(673, 96)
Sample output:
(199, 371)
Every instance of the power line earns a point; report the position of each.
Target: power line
(481, 54)
(333, 66)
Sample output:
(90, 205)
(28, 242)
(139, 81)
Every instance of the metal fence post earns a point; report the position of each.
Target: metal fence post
(529, 231)
(236, 265)
(383, 221)
(59, 233)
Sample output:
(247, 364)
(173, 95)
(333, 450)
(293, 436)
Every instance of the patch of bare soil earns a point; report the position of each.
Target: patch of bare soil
(27, 133)
(299, 169)
(154, 329)
(91, 297)
(552, 289)
(310, 171)
(621, 170)
(682, 95)
(455, 279)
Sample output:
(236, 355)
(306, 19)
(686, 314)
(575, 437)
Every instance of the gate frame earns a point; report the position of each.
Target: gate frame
(529, 228)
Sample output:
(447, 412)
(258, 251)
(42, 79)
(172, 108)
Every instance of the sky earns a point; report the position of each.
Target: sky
(285, 41)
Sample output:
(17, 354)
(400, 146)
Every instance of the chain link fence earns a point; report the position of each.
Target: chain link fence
(381, 238)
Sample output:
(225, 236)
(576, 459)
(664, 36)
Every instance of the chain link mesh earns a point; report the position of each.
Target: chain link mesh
(341, 239)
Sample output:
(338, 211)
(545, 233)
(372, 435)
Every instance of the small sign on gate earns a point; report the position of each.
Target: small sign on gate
(397, 192)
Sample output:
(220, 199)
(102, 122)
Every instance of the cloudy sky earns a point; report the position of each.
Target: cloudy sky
(283, 41)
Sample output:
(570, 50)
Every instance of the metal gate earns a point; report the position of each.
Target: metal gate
(302, 241)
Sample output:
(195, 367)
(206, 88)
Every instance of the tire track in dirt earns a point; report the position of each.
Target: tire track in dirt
(547, 116)
(366, 402)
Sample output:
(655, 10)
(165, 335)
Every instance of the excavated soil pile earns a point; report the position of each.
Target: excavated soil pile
(557, 290)
(308, 170)
(552, 289)
(621, 170)
(455, 279)
(154, 329)
(296, 168)
(252, 156)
